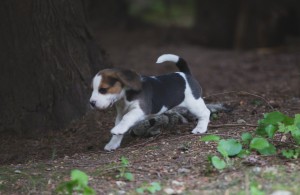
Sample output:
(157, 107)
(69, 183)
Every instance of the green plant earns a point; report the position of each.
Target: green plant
(267, 127)
(255, 189)
(278, 122)
(123, 170)
(291, 153)
(262, 145)
(227, 148)
(151, 188)
(78, 184)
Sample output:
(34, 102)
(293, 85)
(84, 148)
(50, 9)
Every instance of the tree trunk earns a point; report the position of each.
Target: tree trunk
(108, 13)
(266, 23)
(47, 61)
(215, 22)
(246, 24)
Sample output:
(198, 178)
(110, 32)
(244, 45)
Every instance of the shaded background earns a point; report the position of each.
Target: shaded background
(238, 24)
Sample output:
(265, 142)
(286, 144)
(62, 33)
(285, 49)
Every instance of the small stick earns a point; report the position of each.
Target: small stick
(144, 143)
(232, 125)
(242, 93)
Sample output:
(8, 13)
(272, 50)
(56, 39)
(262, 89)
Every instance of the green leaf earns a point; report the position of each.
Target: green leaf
(124, 161)
(231, 146)
(209, 157)
(296, 135)
(297, 121)
(67, 187)
(80, 177)
(273, 118)
(152, 188)
(260, 130)
(218, 163)
(246, 137)
(297, 153)
(259, 143)
(214, 116)
(78, 183)
(140, 190)
(255, 191)
(156, 186)
(129, 176)
(210, 138)
(282, 128)
(223, 152)
(88, 191)
(270, 130)
(288, 153)
(270, 150)
(295, 130)
(243, 153)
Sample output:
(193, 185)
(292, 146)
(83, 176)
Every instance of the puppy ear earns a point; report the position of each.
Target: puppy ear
(130, 79)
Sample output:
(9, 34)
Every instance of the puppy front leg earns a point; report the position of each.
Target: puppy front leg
(119, 108)
(114, 142)
(128, 120)
(118, 118)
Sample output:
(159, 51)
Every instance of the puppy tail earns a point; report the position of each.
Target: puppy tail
(180, 62)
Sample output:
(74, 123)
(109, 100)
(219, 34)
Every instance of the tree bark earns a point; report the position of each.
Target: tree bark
(266, 23)
(215, 22)
(47, 61)
(246, 24)
(108, 13)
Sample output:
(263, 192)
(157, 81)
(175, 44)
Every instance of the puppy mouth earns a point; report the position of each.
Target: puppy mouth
(110, 105)
(112, 102)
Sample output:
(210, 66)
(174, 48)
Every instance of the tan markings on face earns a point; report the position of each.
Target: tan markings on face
(117, 88)
(110, 81)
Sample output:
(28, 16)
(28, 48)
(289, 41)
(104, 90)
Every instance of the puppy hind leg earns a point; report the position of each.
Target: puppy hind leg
(199, 109)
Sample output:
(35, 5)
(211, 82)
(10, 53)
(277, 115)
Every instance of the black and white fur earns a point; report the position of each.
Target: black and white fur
(156, 95)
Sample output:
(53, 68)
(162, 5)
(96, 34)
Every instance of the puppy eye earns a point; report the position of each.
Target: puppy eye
(103, 90)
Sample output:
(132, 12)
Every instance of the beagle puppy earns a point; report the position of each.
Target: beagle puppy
(138, 97)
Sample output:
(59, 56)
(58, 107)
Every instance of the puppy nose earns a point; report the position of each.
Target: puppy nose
(93, 103)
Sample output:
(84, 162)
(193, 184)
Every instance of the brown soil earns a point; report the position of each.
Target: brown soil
(252, 82)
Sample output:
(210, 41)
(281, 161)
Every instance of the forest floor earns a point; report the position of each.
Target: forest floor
(251, 82)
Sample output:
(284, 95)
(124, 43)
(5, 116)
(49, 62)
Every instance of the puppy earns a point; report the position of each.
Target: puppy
(138, 97)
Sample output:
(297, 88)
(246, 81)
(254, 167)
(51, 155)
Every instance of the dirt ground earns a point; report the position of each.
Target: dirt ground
(251, 82)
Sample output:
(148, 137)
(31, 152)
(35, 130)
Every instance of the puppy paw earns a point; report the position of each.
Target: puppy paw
(118, 131)
(199, 130)
(111, 146)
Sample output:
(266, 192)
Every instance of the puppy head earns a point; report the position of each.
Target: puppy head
(109, 86)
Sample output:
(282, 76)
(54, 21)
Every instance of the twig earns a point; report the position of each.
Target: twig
(220, 134)
(180, 137)
(242, 93)
(285, 143)
(232, 125)
(145, 143)
(113, 168)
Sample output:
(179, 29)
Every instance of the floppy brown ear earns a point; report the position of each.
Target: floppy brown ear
(130, 79)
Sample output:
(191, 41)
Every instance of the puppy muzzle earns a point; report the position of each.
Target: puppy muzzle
(93, 104)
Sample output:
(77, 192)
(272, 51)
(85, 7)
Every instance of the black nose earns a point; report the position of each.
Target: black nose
(93, 103)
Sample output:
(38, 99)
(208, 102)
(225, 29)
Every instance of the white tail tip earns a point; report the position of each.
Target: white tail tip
(167, 57)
